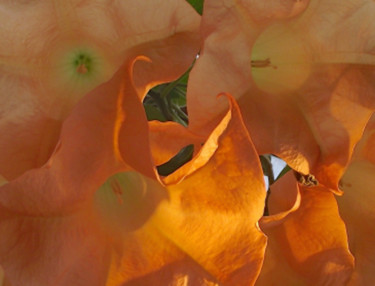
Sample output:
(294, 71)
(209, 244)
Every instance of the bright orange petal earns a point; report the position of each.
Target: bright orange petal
(168, 138)
(309, 246)
(214, 204)
(286, 198)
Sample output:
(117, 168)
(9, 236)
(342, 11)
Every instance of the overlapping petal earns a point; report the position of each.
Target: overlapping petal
(357, 207)
(55, 230)
(52, 53)
(223, 184)
(168, 138)
(227, 189)
(303, 83)
(308, 246)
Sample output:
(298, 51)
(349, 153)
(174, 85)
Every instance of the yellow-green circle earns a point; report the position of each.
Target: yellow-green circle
(280, 61)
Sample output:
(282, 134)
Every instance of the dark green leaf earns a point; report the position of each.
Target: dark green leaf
(154, 113)
(177, 161)
(197, 4)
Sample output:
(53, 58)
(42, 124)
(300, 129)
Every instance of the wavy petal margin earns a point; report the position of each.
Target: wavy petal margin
(39, 84)
(309, 245)
(304, 84)
(357, 207)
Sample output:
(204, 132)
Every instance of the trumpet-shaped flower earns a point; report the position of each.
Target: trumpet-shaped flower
(52, 53)
(302, 74)
(312, 238)
(357, 206)
(307, 239)
(61, 225)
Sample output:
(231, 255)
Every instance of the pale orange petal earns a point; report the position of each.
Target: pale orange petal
(88, 152)
(357, 207)
(310, 246)
(66, 249)
(310, 111)
(40, 81)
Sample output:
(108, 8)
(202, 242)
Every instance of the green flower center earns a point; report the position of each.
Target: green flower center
(79, 69)
(83, 63)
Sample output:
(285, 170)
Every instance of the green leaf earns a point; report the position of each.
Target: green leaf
(154, 113)
(185, 155)
(197, 4)
(178, 97)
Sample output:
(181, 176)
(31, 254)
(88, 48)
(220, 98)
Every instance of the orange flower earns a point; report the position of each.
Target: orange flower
(357, 207)
(307, 240)
(78, 67)
(302, 74)
(59, 227)
(52, 53)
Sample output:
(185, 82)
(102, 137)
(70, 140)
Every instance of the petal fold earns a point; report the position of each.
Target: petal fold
(309, 246)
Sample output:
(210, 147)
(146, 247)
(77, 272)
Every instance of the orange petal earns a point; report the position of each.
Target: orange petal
(214, 204)
(357, 207)
(67, 249)
(219, 196)
(316, 78)
(168, 138)
(29, 136)
(140, 254)
(310, 246)
(42, 74)
(285, 199)
(87, 154)
(148, 258)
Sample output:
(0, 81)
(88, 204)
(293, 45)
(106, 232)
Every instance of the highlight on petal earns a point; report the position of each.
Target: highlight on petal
(224, 185)
(139, 253)
(150, 259)
(357, 207)
(304, 85)
(309, 245)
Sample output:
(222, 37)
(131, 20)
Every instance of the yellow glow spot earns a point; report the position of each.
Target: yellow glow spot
(280, 61)
(125, 201)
